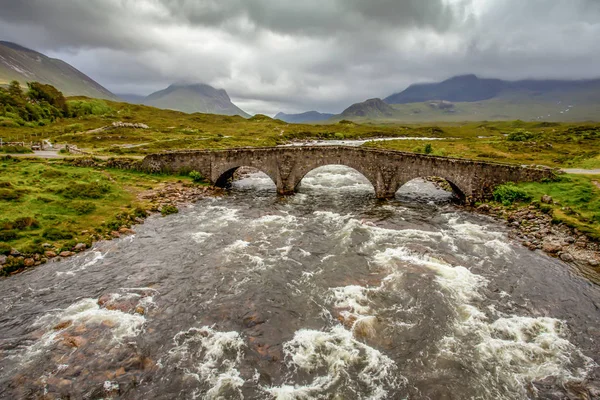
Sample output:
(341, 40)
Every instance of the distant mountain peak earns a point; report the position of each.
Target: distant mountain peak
(372, 108)
(465, 77)
(194, 97)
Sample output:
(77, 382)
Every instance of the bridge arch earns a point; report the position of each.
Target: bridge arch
(224, 177)
(305, 173)
(456, 191)
(301, 173)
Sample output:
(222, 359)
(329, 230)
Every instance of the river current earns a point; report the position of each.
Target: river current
(328, 294)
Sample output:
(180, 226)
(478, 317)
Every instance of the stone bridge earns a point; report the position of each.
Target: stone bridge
(386, 170)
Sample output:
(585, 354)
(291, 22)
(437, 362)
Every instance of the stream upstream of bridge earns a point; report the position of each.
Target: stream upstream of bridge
(328, 294)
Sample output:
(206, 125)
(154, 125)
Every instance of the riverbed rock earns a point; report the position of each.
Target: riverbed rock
(50, 254)
(28, 262)
(2, 260)
(15, 252)
(485, 208)
(66, 253)
(593, 263)
(552, 247)
(547, 199)
(566, 257)
(80, 247)
(126, 231)
(115, 234)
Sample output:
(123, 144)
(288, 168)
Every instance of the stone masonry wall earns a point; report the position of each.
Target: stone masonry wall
(386, 170)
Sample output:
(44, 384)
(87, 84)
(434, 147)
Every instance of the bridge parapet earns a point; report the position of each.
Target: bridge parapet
(386, 170)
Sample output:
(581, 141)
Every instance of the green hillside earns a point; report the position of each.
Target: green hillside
(25, 65)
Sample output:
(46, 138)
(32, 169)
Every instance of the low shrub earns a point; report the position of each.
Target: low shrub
(32, 248)
(19, 224)
(15, 150)
(56, 234)
(81, 108)
(5, 249)
(83, 208)
(7, 236)
(139, 212)
(52, 173)
(168, 210)
(73, 128)
(26, 223)
(428, 148)
(9, 195)
(11, 266)
(520, 135)
(45, 200)
(196, 177)
(508, 194)
(94, 190)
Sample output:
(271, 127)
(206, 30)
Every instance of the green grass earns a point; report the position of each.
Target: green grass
(554, 145)
(15, 150)
(54, 202)
(577, 201)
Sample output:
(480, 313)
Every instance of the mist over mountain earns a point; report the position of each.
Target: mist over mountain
(25, 65)
(194, 98)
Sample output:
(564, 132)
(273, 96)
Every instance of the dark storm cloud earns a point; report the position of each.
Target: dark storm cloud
(317, 17)
(308, 54)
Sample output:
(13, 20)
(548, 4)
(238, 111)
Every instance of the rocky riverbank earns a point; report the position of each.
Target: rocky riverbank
(535, 230)
(164, 199)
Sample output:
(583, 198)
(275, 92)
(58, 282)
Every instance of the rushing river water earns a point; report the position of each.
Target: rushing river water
(328, 294)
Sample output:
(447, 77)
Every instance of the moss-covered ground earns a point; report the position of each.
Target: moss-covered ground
(45, 201)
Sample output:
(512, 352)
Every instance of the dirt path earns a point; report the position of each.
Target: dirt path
(581, 171)
(56, 155)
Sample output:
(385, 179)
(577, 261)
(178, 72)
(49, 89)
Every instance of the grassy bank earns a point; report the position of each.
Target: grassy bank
(554, 145)
(62, 205)
(575, 200)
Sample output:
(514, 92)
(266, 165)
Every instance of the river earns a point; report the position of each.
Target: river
(328, 294)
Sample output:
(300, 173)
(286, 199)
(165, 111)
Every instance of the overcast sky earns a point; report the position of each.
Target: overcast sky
(299, 55)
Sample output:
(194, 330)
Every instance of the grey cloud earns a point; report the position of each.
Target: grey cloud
(317, 17)
(288, 55)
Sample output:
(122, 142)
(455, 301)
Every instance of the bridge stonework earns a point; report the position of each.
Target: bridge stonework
(386, 170)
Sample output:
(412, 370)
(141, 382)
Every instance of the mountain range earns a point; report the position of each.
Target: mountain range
(469, 98)
(460, 98)
(25, 65)
(470, 88)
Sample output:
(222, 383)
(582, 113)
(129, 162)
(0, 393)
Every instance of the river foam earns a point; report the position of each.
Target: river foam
(328, 356)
